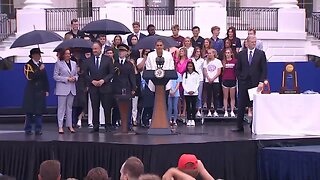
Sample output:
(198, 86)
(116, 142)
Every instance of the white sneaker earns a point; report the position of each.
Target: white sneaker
(209, 114)
(205, 105)
(90, 125)
(188, 122)
(226, 114)
(215, 114)
(198, 114)
(232, 114)
(193, 123)
(79, 123)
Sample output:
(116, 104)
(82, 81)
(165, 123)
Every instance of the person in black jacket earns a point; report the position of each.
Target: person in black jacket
(37, 88)
(99, 73)
(251, 71)
(75, 32)
(124, 79)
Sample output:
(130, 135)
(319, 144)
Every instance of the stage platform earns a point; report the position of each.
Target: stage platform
(226, 155)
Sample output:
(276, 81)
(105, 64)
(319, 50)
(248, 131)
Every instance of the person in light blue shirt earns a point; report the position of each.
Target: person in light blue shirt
(173, 99)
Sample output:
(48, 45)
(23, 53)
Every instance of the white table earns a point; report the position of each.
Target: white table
(286, 114)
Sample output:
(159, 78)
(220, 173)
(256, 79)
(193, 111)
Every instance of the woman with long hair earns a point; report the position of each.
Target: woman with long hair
(188, 45)
(206, 46)
(65, 75)
(190, 83)
(235, 42)
(229, 81)
(212, 70)
(198, 63)
(117, 40)
(181, 66)
(147, 97)
(134, 53)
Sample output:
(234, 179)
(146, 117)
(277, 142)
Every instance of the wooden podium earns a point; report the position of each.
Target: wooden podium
(124, 103)
(160, 123)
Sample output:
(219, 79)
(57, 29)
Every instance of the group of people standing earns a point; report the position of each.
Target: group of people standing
(204, 67)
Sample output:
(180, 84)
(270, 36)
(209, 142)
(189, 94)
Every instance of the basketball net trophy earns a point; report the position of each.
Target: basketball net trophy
(160, 77)
(289, 80)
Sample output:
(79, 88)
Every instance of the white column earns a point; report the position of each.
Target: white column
(32, 16)
(284, 4)
(37, 4)
(206, 13)
(119, 10)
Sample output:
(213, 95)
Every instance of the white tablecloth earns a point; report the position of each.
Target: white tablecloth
(286, 114)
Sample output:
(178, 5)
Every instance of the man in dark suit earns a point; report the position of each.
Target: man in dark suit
(124, 79)
(36, 90)
(136, 31)
(100, 71)
(251, 71)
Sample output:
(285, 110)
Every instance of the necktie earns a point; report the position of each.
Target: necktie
(137, 36)
(97, 62)
(122, 61)
(250, 58)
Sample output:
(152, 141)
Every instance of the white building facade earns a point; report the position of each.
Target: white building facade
(282, 30)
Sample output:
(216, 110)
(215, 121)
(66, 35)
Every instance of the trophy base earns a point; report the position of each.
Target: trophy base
(289, 92)
(159, 131)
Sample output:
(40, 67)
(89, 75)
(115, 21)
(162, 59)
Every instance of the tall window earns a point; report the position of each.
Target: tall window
(7, 7)
(233, 8)
(308, 5)
(84, 8)
(160, 7)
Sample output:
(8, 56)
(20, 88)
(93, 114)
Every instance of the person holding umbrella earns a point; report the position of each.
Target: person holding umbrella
(80, 102)
(37, 88)
(65, 75)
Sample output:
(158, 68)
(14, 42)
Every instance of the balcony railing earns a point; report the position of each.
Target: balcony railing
(262, 19)
(59, 19)
(313, 25)
(164, 17)
(7, 27)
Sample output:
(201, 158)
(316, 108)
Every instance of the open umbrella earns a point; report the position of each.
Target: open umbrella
(74, 43)
(106, 26)
(149, 42)
(36, 37)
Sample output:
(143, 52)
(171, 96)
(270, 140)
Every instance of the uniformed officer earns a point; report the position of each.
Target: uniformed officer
(124, 79)
(36, 90)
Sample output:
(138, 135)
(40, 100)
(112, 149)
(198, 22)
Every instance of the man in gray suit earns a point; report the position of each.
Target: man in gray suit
(65, 75)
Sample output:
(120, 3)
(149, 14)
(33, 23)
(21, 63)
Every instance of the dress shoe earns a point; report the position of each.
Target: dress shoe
(38, 133)
(94, 130)
(71, 130)
(238, 130)
(28, 133)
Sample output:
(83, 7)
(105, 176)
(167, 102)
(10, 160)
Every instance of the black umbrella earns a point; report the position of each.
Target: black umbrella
(149, 42)
(106, 26)
(74, 43)
(36, 37)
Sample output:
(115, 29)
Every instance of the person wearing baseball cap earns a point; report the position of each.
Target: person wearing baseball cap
(189, 165)
(36, 90)
(124, 81)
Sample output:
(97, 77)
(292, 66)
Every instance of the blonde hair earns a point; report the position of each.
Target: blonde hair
(214, 52)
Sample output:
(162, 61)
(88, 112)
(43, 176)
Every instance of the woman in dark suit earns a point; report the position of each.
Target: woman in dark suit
(80, 102)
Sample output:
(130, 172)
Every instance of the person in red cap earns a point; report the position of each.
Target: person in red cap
(189, 165)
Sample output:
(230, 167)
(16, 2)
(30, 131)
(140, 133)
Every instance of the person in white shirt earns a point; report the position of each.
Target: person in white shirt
(190, 83)
(198, 63)
(188, 45)
(212, 70)
(152, 65)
